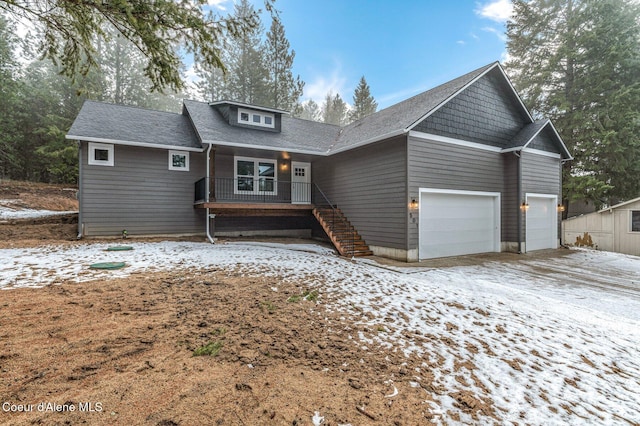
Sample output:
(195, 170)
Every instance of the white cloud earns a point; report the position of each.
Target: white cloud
(499, 33)
(320, 85)
(461, 42)
(218, 4)
(496, 10)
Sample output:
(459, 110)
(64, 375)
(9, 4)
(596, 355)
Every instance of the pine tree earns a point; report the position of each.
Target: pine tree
(70, 28)
(577, 62)
(334, 110)
(363, 103)
(309, 110)
(284, 90)
(247, 72)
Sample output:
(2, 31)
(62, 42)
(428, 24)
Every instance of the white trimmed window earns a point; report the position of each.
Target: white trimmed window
(635, 220)
(256, 118)
(100, 154)
(255, 176)
(179, 160)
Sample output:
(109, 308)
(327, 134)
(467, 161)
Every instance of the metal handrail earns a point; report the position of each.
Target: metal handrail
(335, 216)
(256, 190)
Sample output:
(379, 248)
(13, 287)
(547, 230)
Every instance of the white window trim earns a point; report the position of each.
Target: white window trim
(185, 154)
(101, 146)
(631, 231)
(256, 177)
(262, 115)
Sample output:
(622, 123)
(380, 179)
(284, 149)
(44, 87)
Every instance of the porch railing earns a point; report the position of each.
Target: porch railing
(341, 230)
(250, 190)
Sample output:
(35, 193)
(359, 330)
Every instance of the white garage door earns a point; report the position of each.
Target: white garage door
(542, 222)
(458, 222)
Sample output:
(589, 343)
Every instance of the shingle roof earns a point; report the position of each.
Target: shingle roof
(202, 122)
(297, 135)
(99, 121)
(398, 118)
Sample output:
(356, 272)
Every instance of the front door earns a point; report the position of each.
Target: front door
(300, 183)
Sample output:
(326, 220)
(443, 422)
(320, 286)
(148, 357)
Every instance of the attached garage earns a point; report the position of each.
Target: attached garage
(453, 223)
(541, 222)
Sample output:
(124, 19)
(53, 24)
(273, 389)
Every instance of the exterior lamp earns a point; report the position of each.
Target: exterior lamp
(560, 207)
(524, 206)
(414, 204)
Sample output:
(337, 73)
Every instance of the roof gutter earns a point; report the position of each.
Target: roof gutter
(132, 143)
(264, 147)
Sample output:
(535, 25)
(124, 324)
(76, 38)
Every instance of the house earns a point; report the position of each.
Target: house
(616, 228)
(462, 168)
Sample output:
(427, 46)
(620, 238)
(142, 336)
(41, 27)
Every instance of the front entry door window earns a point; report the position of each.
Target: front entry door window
(300, 183)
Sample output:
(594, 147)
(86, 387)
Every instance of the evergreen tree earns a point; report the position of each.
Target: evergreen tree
(310, 111)
(335, 110)
(577, 62)
(284, 90)
(155, 27)
(363, 103)
(10, 99)
(247, 72)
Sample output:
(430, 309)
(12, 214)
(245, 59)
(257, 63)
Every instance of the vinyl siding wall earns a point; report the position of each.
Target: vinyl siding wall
(440, 165)
(140, 194)
(369, 185)
(541, 175)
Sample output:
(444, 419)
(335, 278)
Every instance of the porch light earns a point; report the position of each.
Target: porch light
(414, 204)
(524, 206)
(284, 166)
(560, 208)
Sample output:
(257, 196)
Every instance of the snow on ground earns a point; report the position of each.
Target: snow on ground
(549, 341)
(7, 212)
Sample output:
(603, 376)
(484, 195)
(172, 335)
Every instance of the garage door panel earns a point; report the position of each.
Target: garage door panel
(541, 222)
(458, 223)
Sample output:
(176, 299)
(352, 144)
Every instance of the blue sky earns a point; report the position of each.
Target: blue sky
(402, 48)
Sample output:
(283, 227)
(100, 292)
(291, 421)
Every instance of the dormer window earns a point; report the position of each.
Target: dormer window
(256, 118)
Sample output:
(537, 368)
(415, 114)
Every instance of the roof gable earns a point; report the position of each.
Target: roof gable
(486, 111)
(296, 135)
(406, 115)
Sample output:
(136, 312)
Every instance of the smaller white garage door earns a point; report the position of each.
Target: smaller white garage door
(541, 222)
(454, 223)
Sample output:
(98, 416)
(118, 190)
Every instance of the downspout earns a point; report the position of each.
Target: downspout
(207, 188)
(519, 182)
(79, 193)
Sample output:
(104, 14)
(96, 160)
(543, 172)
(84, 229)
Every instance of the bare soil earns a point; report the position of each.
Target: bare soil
(125, 351)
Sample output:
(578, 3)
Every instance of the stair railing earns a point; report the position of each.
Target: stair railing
(337, 219)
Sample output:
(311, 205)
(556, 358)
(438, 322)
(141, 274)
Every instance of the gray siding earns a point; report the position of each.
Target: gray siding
(224, 174)
(140, 194)
(541, 175)
(441, 165)
(486, 112)
(369, 185)
(257, 223)
(510, 200)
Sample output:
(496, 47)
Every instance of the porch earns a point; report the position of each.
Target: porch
(253, 197)
(264, 198)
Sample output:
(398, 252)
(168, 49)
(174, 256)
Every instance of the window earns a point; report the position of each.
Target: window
(100, 154)
(635, 220)
(255, 176)
(256, 118)
(179, 160)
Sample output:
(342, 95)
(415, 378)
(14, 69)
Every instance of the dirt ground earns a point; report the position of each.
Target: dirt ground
(127, 351)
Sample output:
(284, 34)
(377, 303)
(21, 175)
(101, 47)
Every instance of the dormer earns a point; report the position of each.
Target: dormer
(250, 116)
